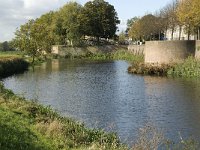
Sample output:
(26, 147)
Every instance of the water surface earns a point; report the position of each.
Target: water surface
(103, 95)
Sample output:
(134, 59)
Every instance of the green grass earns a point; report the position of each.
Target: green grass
(28, 125)
(117, 55)
(189, 68)
(8, 54)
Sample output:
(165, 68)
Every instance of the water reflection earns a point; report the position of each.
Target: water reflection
(174, 105)
(104, 95)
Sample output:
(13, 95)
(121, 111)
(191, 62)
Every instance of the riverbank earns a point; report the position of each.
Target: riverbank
(10, 65)
(106, 52)
(190, 67)
(28, 125)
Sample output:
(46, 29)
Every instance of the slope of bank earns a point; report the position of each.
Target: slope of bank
(28, 125)
(12, 64)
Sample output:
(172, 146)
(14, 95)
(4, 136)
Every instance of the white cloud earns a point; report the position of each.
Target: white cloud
(13, 13)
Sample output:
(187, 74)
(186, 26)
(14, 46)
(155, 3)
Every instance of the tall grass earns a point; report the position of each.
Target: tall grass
(116, 55)
(189, 68)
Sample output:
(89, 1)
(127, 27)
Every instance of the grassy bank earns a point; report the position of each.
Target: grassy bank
(12, 64)
(190, 67)
(116, 55)
(28, 125)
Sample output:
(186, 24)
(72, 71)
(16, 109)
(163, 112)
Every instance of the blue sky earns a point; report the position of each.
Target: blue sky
(13, 13)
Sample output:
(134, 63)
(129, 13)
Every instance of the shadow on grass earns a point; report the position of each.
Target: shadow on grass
(15, 133)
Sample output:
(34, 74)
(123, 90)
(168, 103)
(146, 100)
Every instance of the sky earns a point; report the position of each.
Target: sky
(14, 13)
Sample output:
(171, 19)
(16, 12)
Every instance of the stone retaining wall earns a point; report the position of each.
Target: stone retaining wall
(165, 52)
(62, 50)
(136, 49)
(197, 52)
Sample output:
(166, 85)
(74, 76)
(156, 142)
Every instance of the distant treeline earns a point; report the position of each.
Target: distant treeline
(7, 46)
(178, 15)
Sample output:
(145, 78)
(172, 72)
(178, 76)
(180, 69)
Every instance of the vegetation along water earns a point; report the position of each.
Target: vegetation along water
(98, 90)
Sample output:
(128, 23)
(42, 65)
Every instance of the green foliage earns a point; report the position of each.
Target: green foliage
(130, 22)
(122, 38)
(70, 14)
(117, 55)
(147, 28)
(100, 19)
(7, 46)
(189, 68)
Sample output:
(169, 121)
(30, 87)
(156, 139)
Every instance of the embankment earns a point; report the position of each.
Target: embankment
(12, 65)
(167, 52)
(67, 51)
(27, 125)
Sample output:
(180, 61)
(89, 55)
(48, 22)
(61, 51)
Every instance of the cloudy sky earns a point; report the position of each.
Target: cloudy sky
(13, 13)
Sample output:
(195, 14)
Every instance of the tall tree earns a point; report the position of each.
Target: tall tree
(71, 23)
(170, 16)
(100, 18)
(188, 14)
(130, 22)
(42, 32)
(24, 40)
(135, 31)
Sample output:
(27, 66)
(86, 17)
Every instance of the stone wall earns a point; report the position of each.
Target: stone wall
(136, 49)
(62, 50)
(168, 51)
(197, 52)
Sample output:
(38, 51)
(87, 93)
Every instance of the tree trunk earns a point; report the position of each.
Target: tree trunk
(159, 35)
(198, 34)
(189, 32)
(33, 59)
(98, 40)
(172, 34)
(180, 30)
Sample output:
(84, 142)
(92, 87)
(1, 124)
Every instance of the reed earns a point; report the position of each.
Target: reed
(116, 55)
(189, 68)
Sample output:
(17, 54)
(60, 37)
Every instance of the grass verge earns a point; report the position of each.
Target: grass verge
(28, 125)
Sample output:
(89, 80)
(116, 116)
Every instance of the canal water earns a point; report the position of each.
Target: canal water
(103, 95)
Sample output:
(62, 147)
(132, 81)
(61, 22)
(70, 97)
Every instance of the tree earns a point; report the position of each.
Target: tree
(59, 32)
(42, 32)
(100, 18)
(4, 46)
(135, 32)
(24, 40)
(168, 13)
(122, 38)
(70, 15)
(130, 22)
(188, 13)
